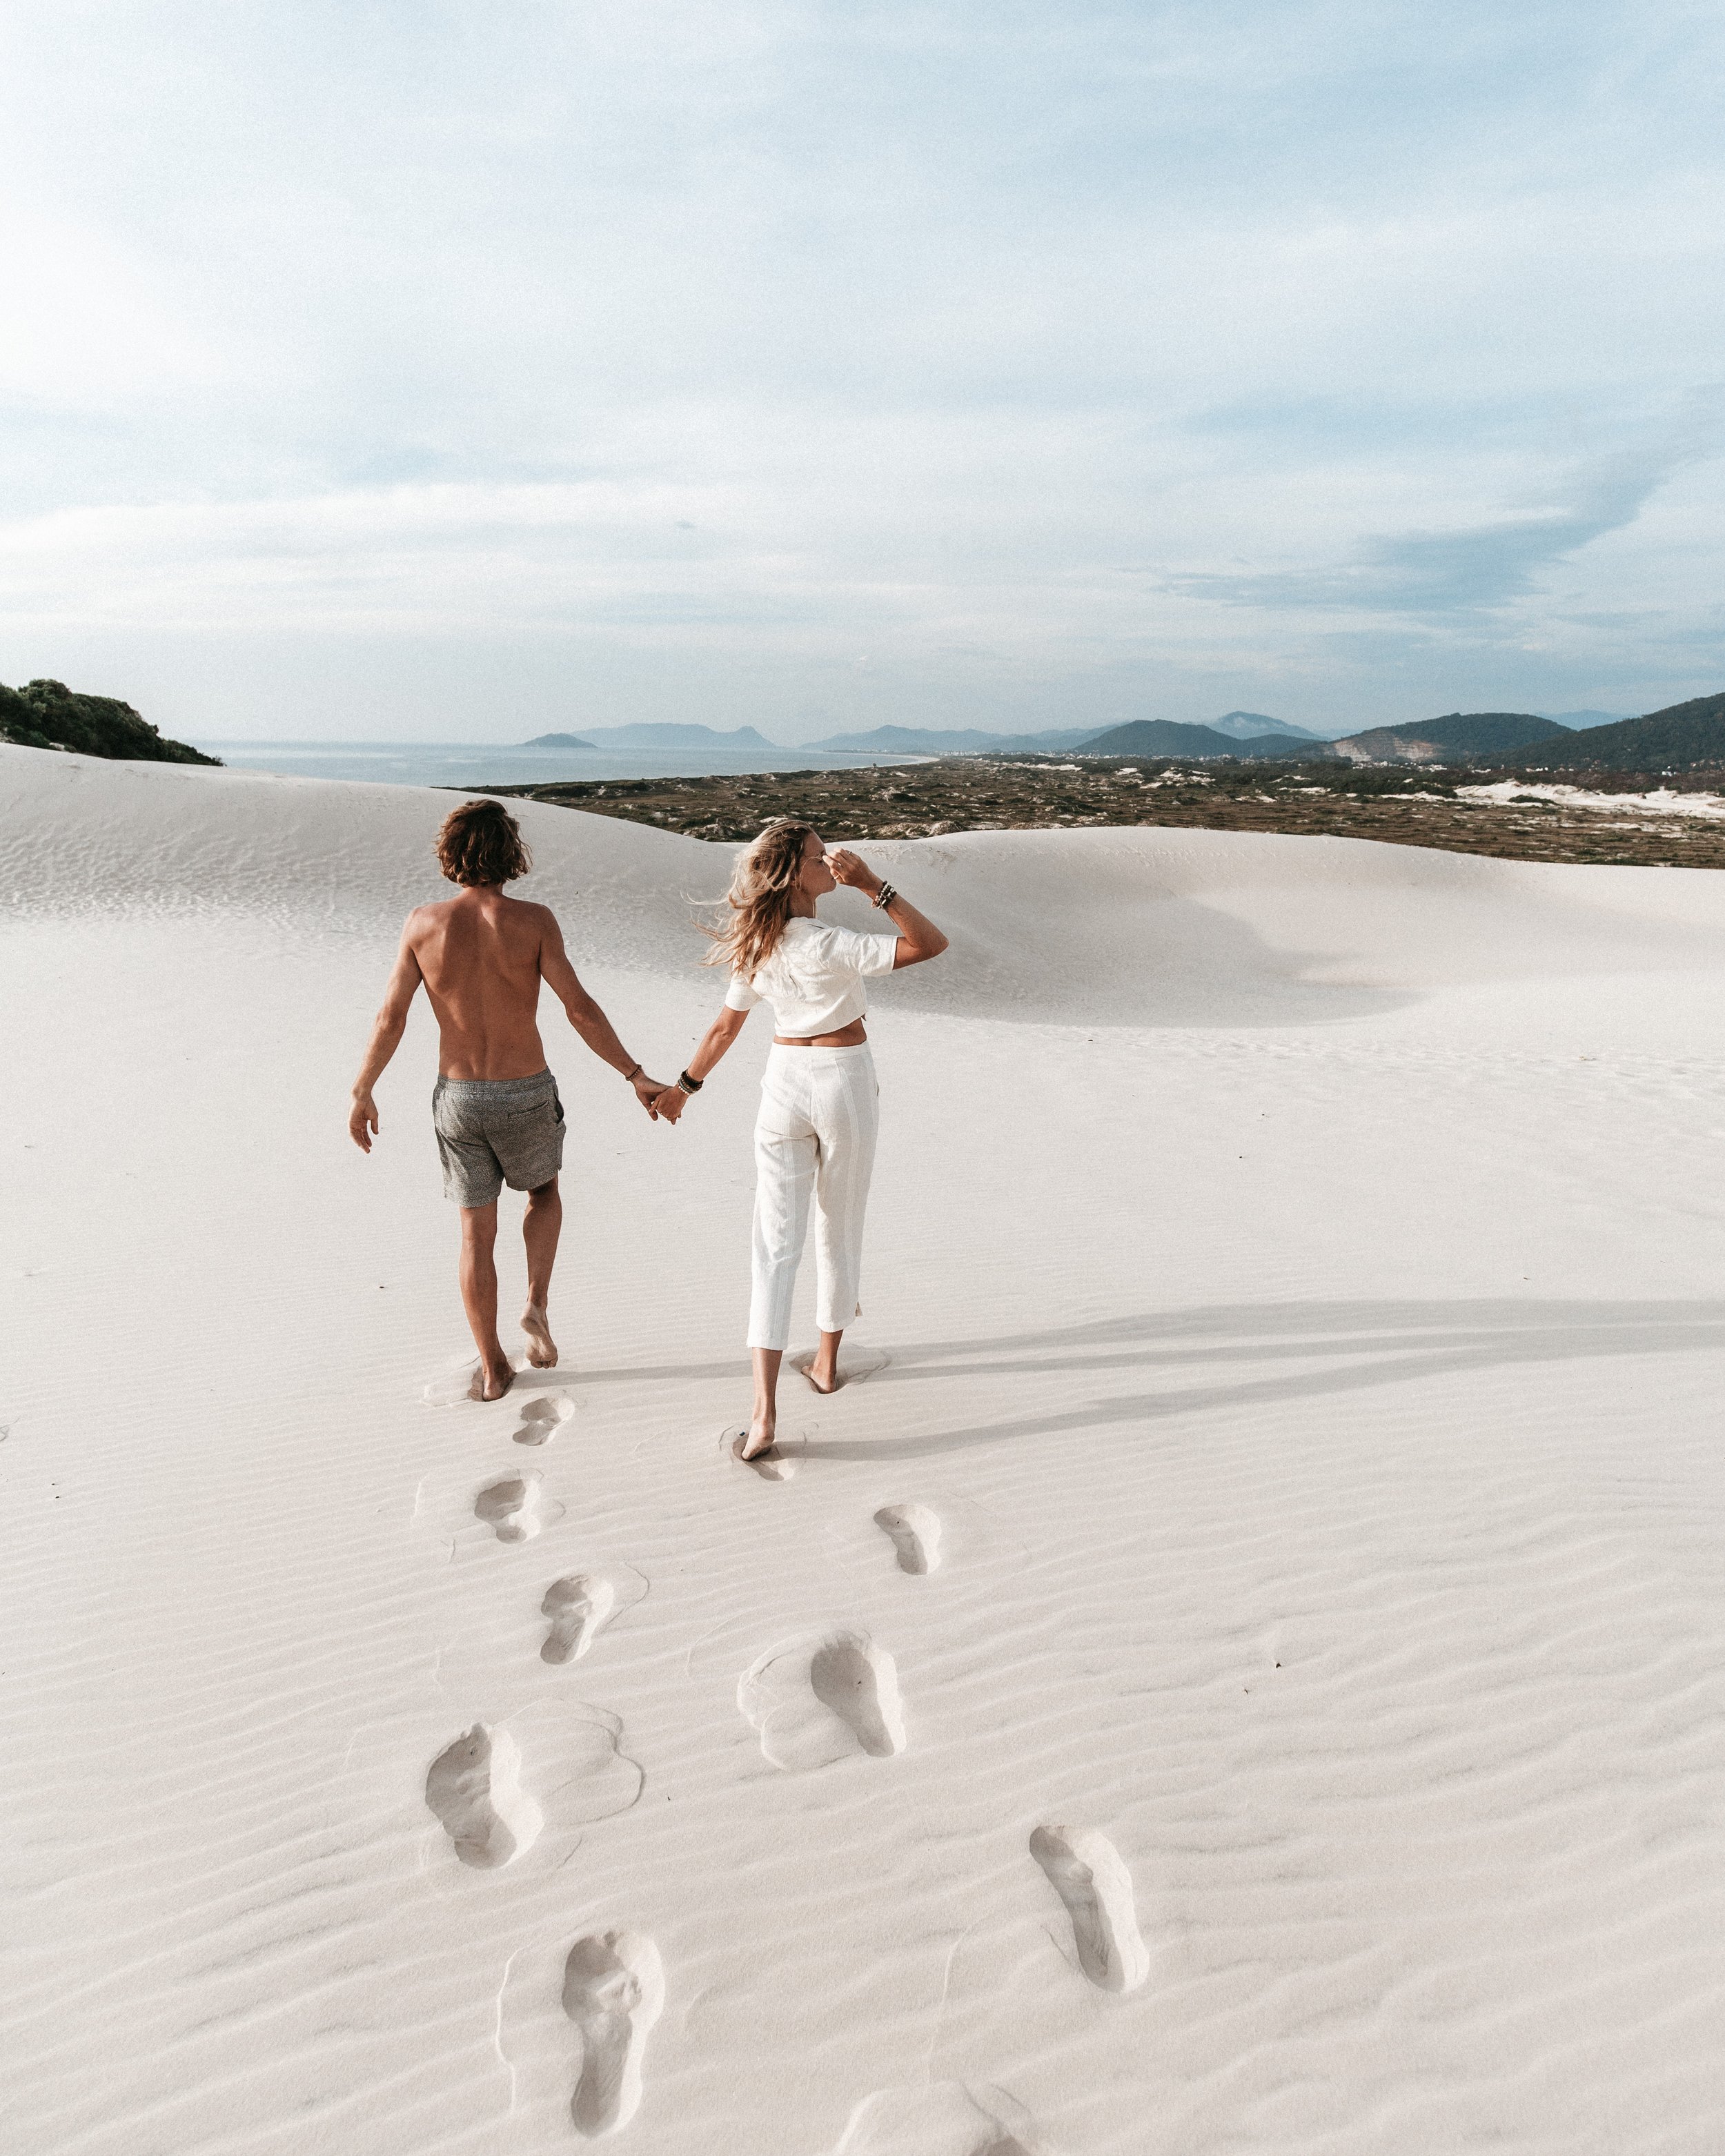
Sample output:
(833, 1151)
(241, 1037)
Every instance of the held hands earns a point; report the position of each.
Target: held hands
(671, 1104)
(362, 1121)
(851, 869)
(647, 1090)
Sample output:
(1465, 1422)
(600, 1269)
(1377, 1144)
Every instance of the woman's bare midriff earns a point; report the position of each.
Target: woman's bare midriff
(847, 1036)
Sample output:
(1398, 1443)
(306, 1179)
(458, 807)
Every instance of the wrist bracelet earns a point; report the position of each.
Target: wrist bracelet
(630, 1076)
(885, 896)
(690, 1085)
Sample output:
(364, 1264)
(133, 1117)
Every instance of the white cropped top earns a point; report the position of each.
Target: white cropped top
(813, 977)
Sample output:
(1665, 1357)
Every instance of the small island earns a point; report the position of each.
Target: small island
(557, 741)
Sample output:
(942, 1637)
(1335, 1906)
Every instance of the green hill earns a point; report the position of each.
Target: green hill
(1467, 733)
(1284, 748)
(1679, 736)
(48, 714)
(1166, 738)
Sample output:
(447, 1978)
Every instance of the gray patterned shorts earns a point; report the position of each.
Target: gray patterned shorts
(494, 1131)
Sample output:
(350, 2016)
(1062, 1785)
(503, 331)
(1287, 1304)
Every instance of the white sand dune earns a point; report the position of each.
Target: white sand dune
(1243, 1676)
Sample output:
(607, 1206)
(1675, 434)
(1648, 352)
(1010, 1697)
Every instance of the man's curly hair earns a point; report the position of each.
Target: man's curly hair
(480, 842)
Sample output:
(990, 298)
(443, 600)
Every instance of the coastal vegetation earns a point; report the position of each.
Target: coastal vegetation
(1644, 818)
(48, 714)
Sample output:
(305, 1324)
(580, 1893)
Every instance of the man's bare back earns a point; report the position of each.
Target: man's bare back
(481, 957)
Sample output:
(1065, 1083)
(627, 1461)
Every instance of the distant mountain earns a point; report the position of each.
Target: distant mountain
(1430, 741)
(1244, 725)
(1054, 737)
(1256, 725)
(1166, 738)
(1576, 719)
(910, 740)
(1682, 734)
(1286, 748)
(1685, 734)
(643, 736)
(48, 714)
(930, 741)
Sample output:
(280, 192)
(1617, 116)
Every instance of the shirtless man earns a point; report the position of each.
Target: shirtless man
(481, 957)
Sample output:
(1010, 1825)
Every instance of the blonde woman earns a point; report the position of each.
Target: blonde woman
(815, 1133)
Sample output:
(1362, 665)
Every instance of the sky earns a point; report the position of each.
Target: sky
(455, 371)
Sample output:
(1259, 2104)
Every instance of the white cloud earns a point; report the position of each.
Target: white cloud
(85, 330)
(1311, 355)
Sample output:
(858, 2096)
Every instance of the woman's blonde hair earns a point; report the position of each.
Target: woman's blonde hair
(759, 898)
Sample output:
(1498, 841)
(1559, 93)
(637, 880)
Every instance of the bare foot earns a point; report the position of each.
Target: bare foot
(762, 1432)
(542, 1349)
(491, 1384)
(823, 1375)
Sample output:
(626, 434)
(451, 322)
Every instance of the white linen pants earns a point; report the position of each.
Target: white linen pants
(814, 1137)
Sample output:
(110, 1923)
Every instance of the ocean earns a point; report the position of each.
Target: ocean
(468, 764)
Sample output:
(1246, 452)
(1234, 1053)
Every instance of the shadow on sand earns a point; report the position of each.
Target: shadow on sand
(1307, 1350)
(1317, 1349)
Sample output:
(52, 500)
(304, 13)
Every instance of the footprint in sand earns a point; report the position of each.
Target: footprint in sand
(856, 1365)
(777, 1463)
(541, 1419)
(510, 1505)
(454, 1386)
(852, 1677)
(474, 1787)
(915, 1534)
(942, 2118)
(825, 1698)
(578, 1608)
(1085, 1870)
(614, 1990)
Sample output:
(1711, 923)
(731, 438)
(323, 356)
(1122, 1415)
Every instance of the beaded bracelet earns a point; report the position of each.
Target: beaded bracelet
(885, 896)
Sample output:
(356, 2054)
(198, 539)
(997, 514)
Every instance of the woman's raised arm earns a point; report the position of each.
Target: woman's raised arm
(918, 938)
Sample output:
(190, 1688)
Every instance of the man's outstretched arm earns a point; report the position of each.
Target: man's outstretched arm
(392, 1024)
(588, 1020)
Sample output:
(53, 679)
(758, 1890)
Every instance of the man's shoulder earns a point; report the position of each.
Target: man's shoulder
(527, 917)
(516, 913)
(423, 917)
